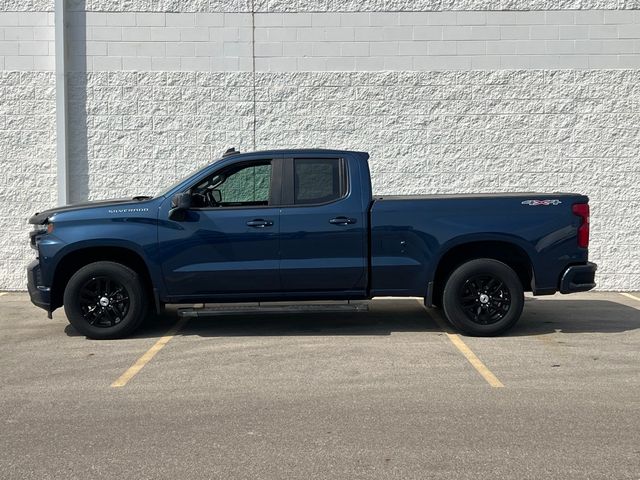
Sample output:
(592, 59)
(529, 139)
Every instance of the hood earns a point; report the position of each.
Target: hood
(41, 217)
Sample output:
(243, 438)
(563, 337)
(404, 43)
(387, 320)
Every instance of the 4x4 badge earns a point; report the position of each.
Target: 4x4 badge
(535, 203)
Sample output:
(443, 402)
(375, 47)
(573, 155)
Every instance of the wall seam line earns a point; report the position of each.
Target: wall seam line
(253, 69)
(62, 160)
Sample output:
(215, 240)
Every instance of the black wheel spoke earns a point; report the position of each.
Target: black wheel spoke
(107, 318)
(91, 315)
(485, 299)
(115, 293)
(497, 288)
(103, 301)
(117, 311)
(490, 284)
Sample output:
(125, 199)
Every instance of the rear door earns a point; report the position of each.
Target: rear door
(323, 236)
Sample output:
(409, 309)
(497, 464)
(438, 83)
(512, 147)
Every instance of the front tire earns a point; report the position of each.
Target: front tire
(483, 297)
(105, 300)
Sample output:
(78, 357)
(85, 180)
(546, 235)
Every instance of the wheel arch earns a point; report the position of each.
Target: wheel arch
(73, 260)
(506, 251)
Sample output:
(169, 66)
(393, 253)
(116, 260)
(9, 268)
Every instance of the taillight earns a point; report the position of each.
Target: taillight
(582, 210)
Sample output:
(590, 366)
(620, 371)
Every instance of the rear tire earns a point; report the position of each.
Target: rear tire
(483, 297)
(105, 300)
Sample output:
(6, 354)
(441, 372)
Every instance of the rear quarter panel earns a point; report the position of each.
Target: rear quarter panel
(409, 235)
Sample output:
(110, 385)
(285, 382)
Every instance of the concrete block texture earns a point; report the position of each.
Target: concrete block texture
(427, 132)
(29, 5)
(215, 6)
(28, 179)
(325, 5)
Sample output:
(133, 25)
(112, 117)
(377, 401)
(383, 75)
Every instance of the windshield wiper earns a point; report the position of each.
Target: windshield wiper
(142, 197)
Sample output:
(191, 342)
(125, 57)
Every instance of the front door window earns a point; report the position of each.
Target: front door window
(245, 185)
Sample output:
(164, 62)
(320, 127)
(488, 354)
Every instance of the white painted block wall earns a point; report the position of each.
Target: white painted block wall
(355, 41)
(27, 132)
(447, 97)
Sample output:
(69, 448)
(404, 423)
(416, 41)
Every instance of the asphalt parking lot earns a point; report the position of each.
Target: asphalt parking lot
(381, 394)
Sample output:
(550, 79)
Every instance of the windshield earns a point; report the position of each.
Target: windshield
(165, 190)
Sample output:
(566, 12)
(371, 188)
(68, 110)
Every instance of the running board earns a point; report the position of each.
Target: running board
(197, 312)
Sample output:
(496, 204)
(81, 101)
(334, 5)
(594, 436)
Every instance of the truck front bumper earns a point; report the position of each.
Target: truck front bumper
(578, 278)
(40, 294)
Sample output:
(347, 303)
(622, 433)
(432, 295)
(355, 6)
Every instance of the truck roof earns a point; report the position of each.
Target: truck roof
(295, 151)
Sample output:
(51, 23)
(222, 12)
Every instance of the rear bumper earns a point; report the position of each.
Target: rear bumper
(578, 278)
(40, 294)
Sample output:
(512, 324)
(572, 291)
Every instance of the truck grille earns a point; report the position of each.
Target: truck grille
(37, 275)
(32, 240)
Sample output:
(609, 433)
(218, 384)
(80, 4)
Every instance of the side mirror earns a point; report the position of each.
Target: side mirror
(217, 195)
(180, 203)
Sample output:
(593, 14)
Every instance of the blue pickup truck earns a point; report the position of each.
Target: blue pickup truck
(290, 225)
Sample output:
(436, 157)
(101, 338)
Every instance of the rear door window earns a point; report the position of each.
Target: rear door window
(318, 180)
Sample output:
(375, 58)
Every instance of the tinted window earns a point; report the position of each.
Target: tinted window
(244, 185)
(249, 185)
(317, 180)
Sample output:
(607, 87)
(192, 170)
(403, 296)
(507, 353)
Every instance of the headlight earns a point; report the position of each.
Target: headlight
(37, 231)
(43, 228)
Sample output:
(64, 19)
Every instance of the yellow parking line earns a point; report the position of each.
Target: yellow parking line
(471, 357)
(133, 370)
(2, 294)
(630, 295)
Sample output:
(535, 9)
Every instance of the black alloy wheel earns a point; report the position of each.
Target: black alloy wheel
(105, 300)
(483, 297)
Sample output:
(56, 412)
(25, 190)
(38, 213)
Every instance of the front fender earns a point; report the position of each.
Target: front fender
(137, 235)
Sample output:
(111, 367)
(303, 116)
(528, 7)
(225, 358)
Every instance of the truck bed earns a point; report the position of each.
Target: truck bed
(409, 234)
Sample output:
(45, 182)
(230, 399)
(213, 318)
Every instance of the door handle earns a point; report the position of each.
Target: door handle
(259, 223)
(342, 221)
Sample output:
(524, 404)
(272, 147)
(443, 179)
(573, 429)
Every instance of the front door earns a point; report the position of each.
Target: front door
(323, 228)
(227, 243)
